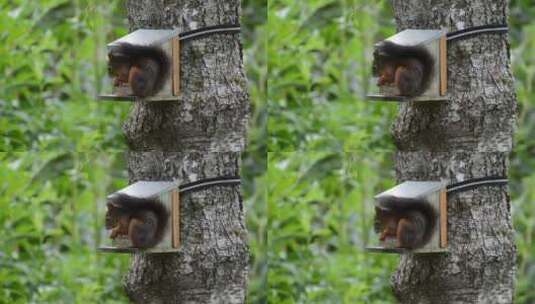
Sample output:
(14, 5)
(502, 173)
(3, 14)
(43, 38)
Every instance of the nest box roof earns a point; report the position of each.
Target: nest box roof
(416, 37)
(144, 189)
(146, 37)
(412, 189)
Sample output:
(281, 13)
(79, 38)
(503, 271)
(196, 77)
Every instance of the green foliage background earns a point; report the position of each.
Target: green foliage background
(53, 63)
(319, 198)
(311, 54)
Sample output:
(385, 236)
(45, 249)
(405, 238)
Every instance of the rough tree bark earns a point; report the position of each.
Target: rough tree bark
(211, 266)
(200, 136)
(466, 137)
(212, 111)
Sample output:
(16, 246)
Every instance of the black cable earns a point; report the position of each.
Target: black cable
(208, 182)
(493, 28)
(476, 182)
(205, 31)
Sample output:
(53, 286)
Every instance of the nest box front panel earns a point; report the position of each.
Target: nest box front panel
(124, 242)
(168, 195)
(402, 202)
(165, 88)
(404, 65)
(169, 87)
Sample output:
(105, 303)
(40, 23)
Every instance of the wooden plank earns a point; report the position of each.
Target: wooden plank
(176, 65)
(443, 204)
(134, 250)
(175, 218)
(378, 97)
(403, 250)
(115, 97)
(443, 66)
(131, 98)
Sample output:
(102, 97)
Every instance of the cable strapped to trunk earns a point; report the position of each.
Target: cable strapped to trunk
(471, 31)
(476, 182)
(208, 182)
(209, 30)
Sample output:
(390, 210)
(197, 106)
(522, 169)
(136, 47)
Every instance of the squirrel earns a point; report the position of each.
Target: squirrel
(143, 220)
(409, 68)
(409, 221)
(144, 68)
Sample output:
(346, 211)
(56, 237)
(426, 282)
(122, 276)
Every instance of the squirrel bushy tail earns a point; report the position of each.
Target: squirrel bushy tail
(149, 217)
(145, 57)
(418, 211)
(390, 51)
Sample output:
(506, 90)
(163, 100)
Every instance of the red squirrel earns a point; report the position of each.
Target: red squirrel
(142, 220)
(409, 221)
(143, 68)
(409, 68)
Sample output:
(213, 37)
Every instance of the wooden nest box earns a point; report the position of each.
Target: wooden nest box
(433, 44)
(164, 193)
(164, 39)
(417, 206)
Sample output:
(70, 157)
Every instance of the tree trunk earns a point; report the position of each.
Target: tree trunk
(198, 137)
(211, 266)
(468, 136)
(211, 114)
